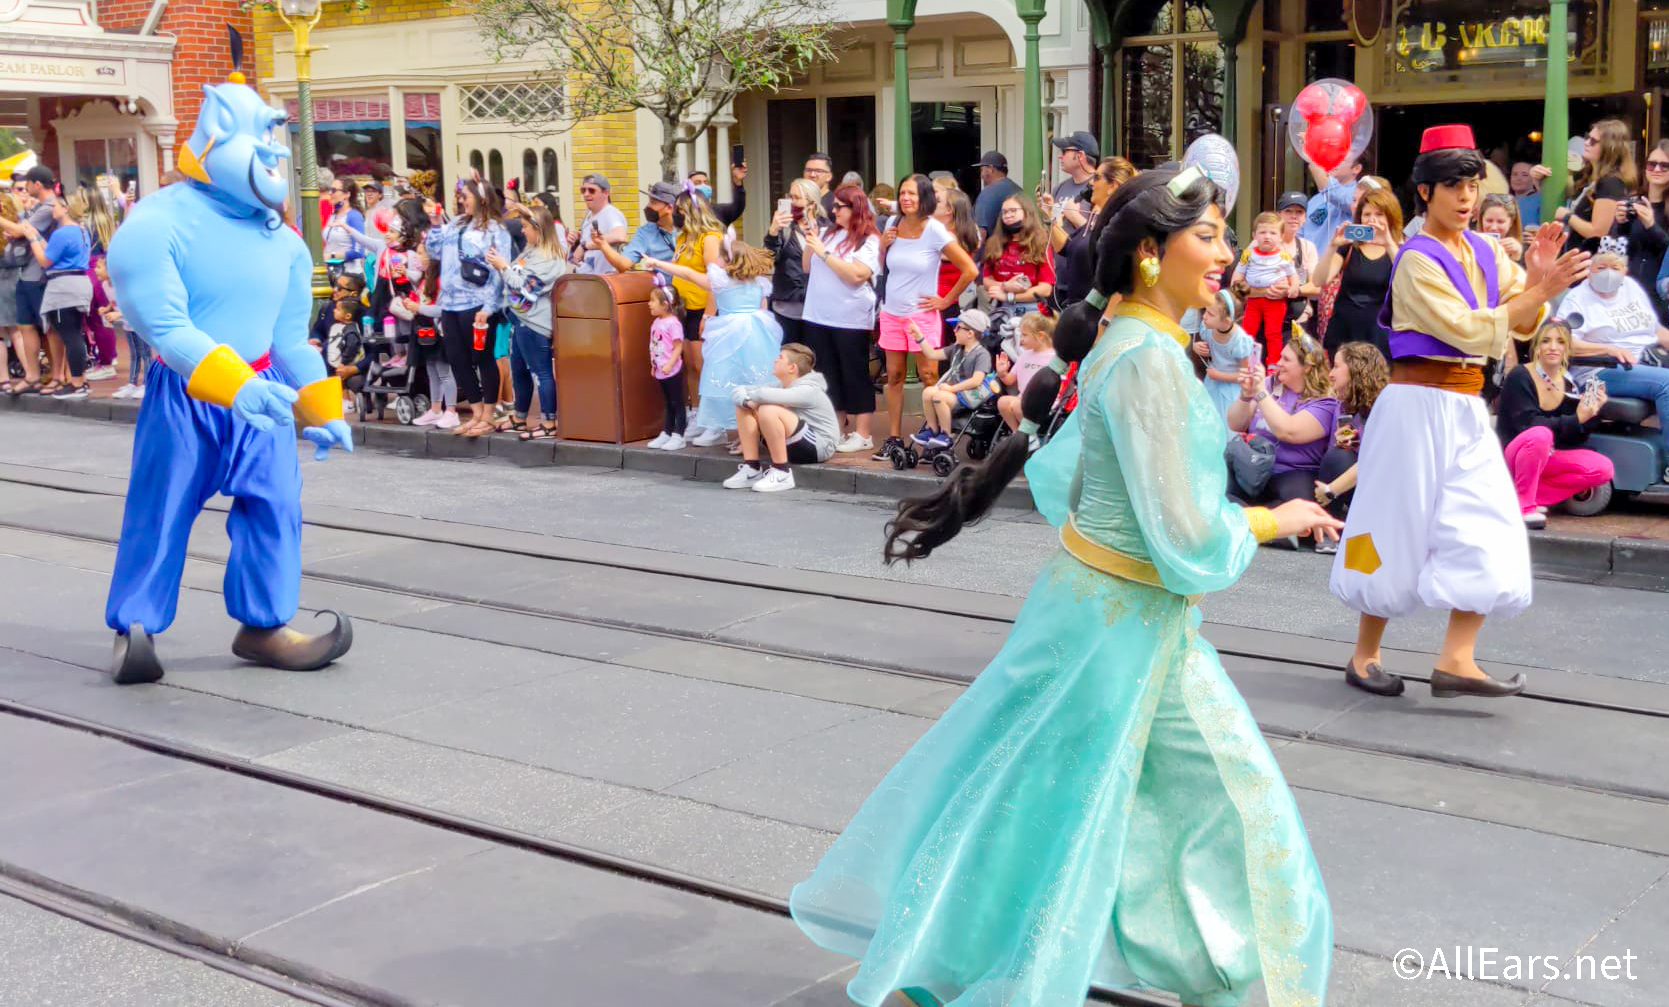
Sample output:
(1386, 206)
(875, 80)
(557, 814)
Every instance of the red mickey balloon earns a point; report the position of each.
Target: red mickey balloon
(1312, 102)
(1327, 142)
(1349, 103)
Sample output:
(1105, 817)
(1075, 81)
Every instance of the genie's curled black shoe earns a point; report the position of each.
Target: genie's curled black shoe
(134, 661)
(291, 650)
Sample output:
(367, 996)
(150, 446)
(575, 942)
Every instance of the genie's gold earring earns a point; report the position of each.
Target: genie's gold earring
(1149, 266)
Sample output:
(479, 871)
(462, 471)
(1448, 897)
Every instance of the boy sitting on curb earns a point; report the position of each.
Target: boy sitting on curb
(961, 384)
(796, 420)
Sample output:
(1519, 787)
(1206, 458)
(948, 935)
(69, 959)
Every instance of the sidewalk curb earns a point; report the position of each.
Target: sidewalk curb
(1626, 562)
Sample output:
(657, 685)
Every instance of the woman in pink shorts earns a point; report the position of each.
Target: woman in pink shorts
(912, 246)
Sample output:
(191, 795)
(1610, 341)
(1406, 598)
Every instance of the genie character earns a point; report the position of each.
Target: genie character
(207, 273)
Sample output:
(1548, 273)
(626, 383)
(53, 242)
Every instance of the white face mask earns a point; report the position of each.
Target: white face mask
(1606, 281)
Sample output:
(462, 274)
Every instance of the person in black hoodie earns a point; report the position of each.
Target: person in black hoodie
(788, 282)
(1640, 219)
(1543, 422)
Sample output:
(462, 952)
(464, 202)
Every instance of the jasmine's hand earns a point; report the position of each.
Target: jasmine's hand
(335, 433)
(264, 404)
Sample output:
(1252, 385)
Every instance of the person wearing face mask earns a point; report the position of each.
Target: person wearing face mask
(655, 238)
(1019, 265)
(788, 281)
(727, 213)
(1616, 319)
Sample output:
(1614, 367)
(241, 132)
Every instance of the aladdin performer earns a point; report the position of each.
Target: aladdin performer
(1435, 519)
(207, 273)
(1099, 806)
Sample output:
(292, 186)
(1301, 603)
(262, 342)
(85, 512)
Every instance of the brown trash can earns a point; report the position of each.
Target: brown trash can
(605, 390)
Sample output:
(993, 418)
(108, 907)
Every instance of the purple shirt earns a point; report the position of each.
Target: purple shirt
(1305, 456)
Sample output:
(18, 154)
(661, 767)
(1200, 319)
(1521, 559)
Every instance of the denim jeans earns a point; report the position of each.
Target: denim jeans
(530, 358)
(1642, 382)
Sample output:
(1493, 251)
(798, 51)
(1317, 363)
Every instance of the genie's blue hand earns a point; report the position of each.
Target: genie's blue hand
(264, 404)
(335, 433)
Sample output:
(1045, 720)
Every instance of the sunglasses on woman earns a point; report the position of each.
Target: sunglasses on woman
(842, 206)
(1657, 165)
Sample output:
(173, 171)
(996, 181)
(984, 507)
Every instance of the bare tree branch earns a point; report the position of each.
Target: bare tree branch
(665, 57)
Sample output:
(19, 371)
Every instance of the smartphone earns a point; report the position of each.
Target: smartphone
(785, 205)
(738, 157)
(1358, 232)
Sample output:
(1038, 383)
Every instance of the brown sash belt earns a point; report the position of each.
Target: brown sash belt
(1446, 375)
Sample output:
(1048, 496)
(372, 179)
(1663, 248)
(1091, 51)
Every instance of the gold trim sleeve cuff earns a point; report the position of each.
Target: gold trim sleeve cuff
(218, 376)
(1262, 522)
(319, 402)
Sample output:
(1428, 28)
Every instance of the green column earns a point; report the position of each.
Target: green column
(1231, 91)
(903, 138)
(1109, 99)
(1556, 109)
(1032, 113)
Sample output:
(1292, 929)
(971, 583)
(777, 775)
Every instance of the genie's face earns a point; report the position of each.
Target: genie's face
(238, 146)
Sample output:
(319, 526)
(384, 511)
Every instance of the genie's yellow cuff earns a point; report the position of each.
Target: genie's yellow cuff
(1262, 521)
(219, 376)
(319, 401)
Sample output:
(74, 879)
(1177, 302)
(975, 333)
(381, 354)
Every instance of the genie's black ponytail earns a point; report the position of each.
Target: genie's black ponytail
(1141, 208)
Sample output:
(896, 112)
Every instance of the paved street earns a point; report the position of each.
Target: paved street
(701, 686)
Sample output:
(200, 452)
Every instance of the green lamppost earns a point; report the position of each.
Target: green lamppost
(301, 16)
(1556, 110)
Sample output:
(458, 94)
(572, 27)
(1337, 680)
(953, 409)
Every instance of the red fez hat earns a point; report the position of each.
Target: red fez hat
(1443, 137)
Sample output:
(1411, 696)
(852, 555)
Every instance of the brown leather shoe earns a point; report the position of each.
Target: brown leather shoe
(1377, 681)
(1446, 685)
(290, 650)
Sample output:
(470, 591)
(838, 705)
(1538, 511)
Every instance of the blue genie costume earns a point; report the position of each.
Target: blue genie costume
(207, 273)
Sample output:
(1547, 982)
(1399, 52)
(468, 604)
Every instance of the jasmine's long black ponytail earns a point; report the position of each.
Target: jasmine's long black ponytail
(1143, 207)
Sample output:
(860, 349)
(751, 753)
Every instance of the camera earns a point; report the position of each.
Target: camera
(1358, 232)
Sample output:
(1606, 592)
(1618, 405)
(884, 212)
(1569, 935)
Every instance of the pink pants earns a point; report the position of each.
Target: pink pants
(1545, 475)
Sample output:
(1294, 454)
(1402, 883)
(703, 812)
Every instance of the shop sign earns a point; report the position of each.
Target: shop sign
(1425, 43)
(35, 69)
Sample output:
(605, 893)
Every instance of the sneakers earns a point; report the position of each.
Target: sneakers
(746, 475)
(1534, 521)
(939, 441)
(71, 392)
(658, 440)
(124, 392)
(347, 405)
(774, 481)
(448, 420)
(881, 453)
(138, 392)
(673, 443)
(104, 373)
(428, 419)
(853, 443)
(1326, 546)
(707, 438)
(924, 436)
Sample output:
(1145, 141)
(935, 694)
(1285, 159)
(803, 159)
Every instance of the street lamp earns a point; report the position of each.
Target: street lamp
(300, 16)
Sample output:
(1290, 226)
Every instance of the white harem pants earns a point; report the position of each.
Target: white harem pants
(1435, 520)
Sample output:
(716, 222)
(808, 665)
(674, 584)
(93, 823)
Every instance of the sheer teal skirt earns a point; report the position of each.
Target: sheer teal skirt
(1099, 806)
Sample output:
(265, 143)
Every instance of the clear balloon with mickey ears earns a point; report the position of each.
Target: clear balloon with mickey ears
(1330, 123)
(1217, 158)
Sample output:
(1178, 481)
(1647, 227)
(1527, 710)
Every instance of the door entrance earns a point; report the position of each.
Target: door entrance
(950, 135)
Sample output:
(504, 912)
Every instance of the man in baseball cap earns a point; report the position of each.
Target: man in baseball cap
(655, 238)
(1079, 154)
(995, 186)
(604, 224)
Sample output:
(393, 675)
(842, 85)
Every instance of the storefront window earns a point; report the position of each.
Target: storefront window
(1149, 83)
(548, 157)
(495, 169)
(1322, 15)
(1171, 83)
(115, 157)
(791, 125)
(1329, 59)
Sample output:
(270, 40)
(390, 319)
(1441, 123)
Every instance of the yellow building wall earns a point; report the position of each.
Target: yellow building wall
(606, 144)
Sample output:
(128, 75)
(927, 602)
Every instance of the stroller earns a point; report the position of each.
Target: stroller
(387, 381)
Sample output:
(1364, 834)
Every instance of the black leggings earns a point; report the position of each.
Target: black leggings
(1334, 464)
(843, 360)
(67, 322)
(672, 390)
(477, 383)
(1294, 484)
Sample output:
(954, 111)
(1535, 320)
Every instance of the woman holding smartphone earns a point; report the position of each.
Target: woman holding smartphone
(788, 281)
(1366, 276)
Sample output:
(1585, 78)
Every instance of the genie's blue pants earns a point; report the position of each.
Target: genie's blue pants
(184, 452)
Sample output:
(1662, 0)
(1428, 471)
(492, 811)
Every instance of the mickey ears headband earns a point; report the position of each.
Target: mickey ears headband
(1616, 245)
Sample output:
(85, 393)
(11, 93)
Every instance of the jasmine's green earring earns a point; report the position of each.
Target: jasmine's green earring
(1149, 266)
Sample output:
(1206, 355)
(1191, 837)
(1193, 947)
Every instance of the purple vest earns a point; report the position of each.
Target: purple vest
(1409, 343)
